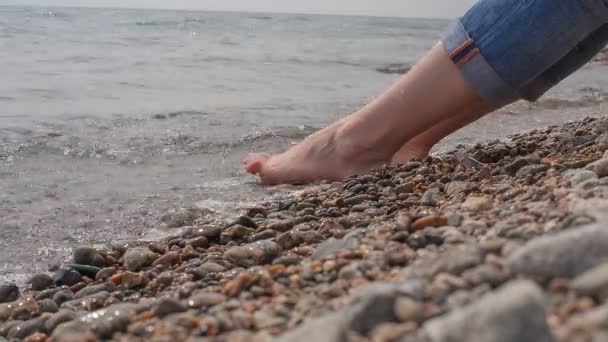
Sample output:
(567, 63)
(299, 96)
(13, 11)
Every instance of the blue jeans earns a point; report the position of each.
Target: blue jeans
(510, 49)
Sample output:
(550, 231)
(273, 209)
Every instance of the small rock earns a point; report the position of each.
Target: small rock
(565, 254)
(63, 296)
(27, 328)
(531, 170)
(238, 284)
(39, 282)
(104, 322)
(93, 289)
(581, 176)
(48, 305)
(287, 260)
(131, 280)
(513, 313)
(245, 221)
(9, 292)
(66, 277)
(332, 246)
(459, 258)
(212, 267)
(456, 187)
(88, 256)
(138, 257)
(263, 319)
(475, 204)
(429, 221)
(169, 259)
(431, 197)
(403, 221)
(85, 270)
(593, 283)
(256, 253)
(406, 188)
(202, 299)
(105, 273)
(61, 316)
(600, 167)
(407, 309)
(167, 306)
(521, 162)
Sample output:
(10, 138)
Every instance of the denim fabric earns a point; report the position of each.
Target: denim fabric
(514, 48)
(577, 58)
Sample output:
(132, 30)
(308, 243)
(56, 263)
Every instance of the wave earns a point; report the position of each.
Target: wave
(260, 17)
(394, 68)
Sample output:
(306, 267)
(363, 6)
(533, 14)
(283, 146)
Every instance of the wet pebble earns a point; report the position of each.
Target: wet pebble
(105, 273)
(66, 277)
(8, 292)
(136, 258)
(59, 317)
(256, 253)
(24, 329)
(63, 296)
(40, 281)
(474, 203)
(203, 299)
(88, 256)
(167, 306)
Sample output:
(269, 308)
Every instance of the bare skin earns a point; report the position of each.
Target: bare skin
(373, 135)
(420, 146)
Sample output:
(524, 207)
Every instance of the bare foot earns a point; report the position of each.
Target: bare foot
(330, 154)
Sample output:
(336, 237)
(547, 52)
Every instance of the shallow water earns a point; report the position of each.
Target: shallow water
(111, 118)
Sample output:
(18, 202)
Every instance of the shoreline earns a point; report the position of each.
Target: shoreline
(502, 232)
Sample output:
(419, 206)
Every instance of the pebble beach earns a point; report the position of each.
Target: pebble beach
(497, 242)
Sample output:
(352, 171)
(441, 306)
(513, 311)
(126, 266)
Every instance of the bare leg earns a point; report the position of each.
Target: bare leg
(430, 93)
(421, 145)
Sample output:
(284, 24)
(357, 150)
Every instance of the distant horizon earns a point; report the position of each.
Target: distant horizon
(415, 9)
(219, 11)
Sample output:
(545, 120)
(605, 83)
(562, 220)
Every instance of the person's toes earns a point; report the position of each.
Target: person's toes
(254, 162)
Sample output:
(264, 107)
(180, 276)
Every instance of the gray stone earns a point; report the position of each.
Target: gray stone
(580, 176)
(60, 317)
(25, 329)
(476, 203)
(256, 253)
(85, 270)
(565, 254)
(458, 258)
(48, 305)
(105, 273)
(103, 323)
(136, 258)
(513, 313)
(167, 306)
(373, 306)
(203, 299)
(93, 289)
(370, 307)
(66, 277)
(63, 296)
(329, 328)
(88, 256)
(39, 282)
(331, 247)
(593, 283)
(212, 267)
(9, 292)
(531, 170)
(600, 167)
